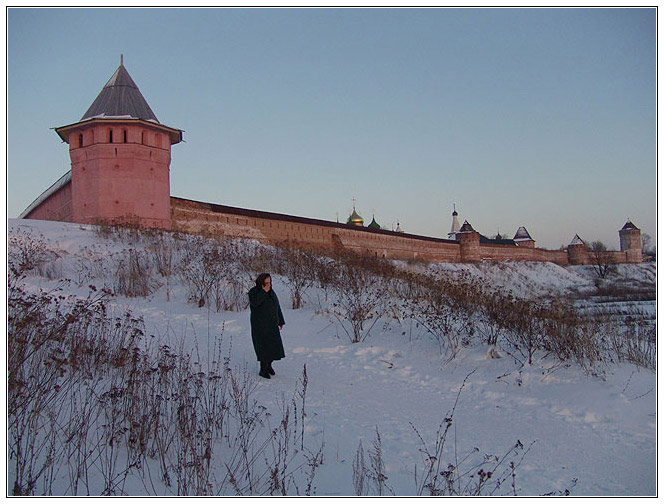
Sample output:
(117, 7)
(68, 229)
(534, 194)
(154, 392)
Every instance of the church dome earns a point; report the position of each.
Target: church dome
(355, 219)
(374, 224)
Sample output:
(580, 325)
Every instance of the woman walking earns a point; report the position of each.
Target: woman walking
(266, 322)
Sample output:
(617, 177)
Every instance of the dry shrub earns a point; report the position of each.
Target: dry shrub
(125, 229)
(28, 252)
(370, 479)
(54, 342)
(435, 310)
(360, 301)
(90, 395)
(134, 273)
(474, 474)
(217, 274)
(628, 337)
(299, 269)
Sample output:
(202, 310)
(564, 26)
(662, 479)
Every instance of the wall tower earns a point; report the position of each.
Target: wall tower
(577, 252)
(120, 158)
(469, 242)
(523, 239)
(630, 242)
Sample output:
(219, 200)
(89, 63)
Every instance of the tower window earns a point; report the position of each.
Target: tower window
(110, 136)
(124, 136)
(143, 137)
(80, 140)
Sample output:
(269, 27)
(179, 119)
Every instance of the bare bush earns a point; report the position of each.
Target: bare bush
(216, 273)
(360, 471)
(435, 310)
(91, 265)
(474, 475)
(298, 267)
(370, 479)
(634, 339)
(46, 338)
(360, 301)
(549, 327)
(492, 307)
(134, 273)
(641, 343)
(601, 259)
(27, 253)
(126, 229)
(164, 248)
(138, 413)
(522, 321)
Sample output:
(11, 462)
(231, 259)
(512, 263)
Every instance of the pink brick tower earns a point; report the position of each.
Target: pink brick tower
(630, 242)
(120, 158)
(469, 241)
(577, 252)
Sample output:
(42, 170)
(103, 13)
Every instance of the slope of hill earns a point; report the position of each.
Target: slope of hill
(391, 414)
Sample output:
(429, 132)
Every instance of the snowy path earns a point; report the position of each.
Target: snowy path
(601, 432)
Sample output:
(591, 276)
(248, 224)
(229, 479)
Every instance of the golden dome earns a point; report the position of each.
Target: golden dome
(355, 219)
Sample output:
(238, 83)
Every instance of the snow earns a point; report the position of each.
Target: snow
(592, 435)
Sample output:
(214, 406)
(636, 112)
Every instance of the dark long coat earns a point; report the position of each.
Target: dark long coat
(266, 317)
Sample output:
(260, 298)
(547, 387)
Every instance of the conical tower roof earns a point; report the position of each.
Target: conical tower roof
(522, 234)
(577, 241)
(120, 97)
(629, 225)
(466, 228)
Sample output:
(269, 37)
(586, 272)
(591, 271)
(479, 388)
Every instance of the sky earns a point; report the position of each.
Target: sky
(543, 118)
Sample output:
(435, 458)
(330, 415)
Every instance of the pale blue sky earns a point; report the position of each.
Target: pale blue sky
(538, 117)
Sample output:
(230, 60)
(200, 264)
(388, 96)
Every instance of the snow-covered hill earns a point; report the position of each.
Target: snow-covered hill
(387, 396)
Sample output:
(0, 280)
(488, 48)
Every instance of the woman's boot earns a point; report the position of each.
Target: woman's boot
(264, 372)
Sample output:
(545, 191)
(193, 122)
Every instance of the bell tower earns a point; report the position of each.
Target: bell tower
(120, 158)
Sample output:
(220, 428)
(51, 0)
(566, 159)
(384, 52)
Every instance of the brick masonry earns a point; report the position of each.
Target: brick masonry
(221, 221)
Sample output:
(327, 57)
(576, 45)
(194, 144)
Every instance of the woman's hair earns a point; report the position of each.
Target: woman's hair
(261, 279)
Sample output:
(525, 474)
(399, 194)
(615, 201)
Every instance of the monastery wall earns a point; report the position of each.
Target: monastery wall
(400, 246)
(499, 253)
(618, 257)
(222, 221)
(580, 255)
(55, 207)
(208, 219)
